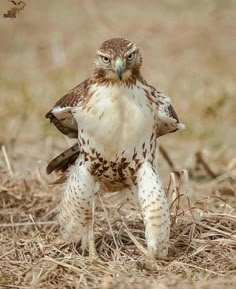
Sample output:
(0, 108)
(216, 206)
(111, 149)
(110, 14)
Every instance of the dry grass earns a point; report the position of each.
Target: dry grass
(189, 52)
(202, 245)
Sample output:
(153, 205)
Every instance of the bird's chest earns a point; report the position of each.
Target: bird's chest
(116, 119)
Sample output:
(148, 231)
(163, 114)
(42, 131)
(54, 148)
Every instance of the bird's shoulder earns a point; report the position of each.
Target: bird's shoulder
(163, 102)
(60, 114)
(167, 118)
(74, 96)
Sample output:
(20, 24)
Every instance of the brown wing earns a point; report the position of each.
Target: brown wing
(172, 113)
(61, 116)
(63, 161)
(167, 118)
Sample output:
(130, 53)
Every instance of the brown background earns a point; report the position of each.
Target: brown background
(189, 52)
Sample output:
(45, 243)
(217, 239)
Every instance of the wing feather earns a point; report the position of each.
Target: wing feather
(63, 161)
(167, 118)
(61, 116)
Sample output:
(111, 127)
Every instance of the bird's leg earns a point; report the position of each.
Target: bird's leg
(76, 210)
(155, 210)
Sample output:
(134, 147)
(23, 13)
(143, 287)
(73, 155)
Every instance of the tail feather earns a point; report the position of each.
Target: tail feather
(62, 162)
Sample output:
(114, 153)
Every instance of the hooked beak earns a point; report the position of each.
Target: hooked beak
(119, 67)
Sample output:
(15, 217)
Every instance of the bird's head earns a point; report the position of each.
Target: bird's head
(118, 59)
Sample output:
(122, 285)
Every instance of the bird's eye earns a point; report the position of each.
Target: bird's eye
(105, 59)
(130, 56)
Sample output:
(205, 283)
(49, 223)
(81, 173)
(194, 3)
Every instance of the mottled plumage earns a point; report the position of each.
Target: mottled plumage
(116, 117)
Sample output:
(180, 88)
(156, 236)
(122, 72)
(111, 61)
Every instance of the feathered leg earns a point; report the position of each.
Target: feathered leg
(76, 211)
(155, 210)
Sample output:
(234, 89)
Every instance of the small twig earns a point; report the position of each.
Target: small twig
(7, 253)
(175, 197)
(166, 157)
(216, 230)
(9, 167)
(35, 225)
(65, 265)
(223, 215)
(9, 225)
(135, 241)
(175, 200)
(14, 286)
(220, 178)
(109, 224)
(168, 160)
(205, 165)
(197, 267)
(186, 189)
(39, 177)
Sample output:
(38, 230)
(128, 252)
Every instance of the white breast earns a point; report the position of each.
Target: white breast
(118, 120)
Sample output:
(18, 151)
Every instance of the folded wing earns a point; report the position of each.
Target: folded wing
(167, 120)
(61, 116)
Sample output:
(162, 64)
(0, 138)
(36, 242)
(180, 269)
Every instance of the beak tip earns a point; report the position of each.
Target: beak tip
(119, 68)
(119, 73)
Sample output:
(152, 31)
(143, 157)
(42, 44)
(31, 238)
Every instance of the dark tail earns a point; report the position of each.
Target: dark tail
(62, 162)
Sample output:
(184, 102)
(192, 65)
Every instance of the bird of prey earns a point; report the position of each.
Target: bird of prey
(116, 117)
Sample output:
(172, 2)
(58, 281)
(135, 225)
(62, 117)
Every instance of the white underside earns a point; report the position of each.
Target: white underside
(118, 120)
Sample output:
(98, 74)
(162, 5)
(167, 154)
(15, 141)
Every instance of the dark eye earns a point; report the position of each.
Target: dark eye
(105, 59)
(130, 56)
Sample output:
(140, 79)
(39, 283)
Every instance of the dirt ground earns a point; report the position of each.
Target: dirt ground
(189, 52)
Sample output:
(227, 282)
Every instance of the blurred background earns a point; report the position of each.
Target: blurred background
(189, 52)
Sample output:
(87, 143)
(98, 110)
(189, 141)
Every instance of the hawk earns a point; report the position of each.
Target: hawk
(116, 117)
